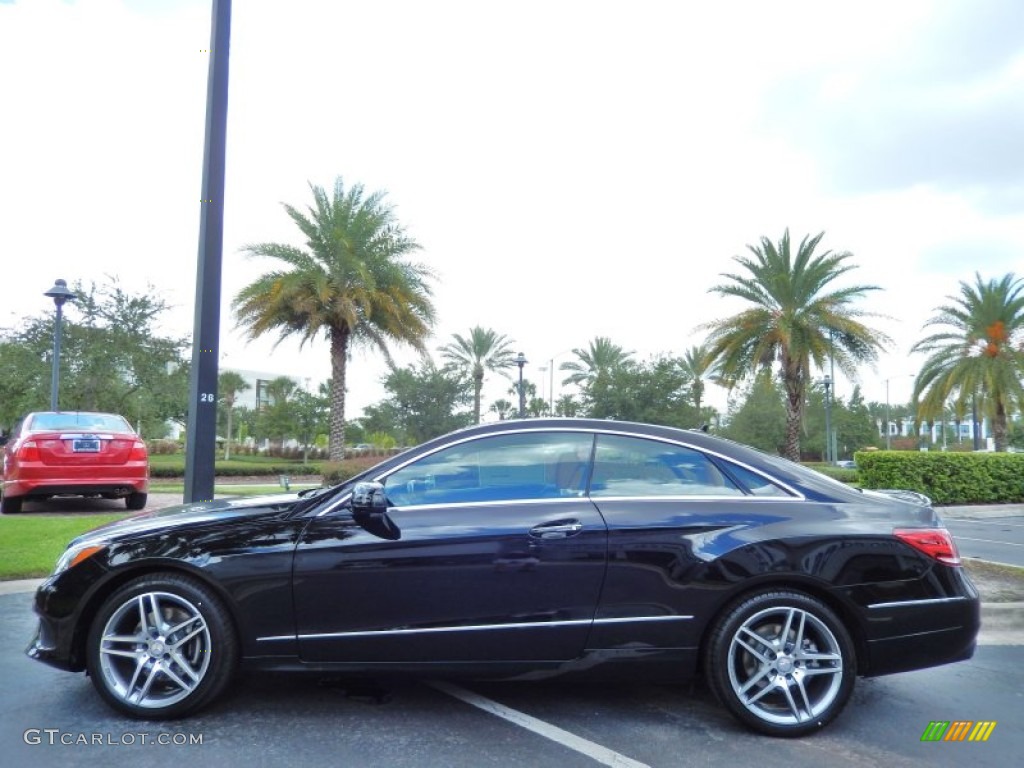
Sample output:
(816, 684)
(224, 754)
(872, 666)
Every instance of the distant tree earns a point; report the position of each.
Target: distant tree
(758, 416)
(537, 408)
(979, 353)
(503, 408)
(423, 402)
(529, 393)
(567, 405)
(310, 414)
(795, 319)
(599, 359)
(854, 426)
(473, 355)
(112, 359)
(278, 421)
(230, 385)
(697, 365)
(656, 392)
(353, 283)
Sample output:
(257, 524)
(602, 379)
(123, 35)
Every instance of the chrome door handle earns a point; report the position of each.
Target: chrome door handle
(557, 530)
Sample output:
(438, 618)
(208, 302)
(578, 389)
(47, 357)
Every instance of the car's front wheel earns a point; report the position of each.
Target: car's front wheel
(161, 646)
(782, 662)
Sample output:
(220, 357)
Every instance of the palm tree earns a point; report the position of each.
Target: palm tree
(979, 353)
(600, 358)
(230, 385)
(697, 365)
(353, 283)
(483, 350)
(793, 311)
(503, 408)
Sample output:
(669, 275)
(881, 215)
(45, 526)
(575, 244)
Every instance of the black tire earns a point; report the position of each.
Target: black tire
(10, 505)
(781, 662)
(170, 647)
(136, 501)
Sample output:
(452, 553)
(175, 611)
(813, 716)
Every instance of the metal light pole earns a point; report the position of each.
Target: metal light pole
(59, 293)
(521, 361)
(828, 420)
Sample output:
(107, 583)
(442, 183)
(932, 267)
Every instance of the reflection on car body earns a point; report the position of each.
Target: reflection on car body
(525, 549)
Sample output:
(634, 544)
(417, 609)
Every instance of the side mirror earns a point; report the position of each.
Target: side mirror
(370, 510)
(369, 497)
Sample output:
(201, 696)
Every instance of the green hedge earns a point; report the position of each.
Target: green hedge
(842, 474)
(946, 478)
(335, 472)
(232, 469)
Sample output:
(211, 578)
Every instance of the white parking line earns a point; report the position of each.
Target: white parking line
(989, 541)
(601, 754)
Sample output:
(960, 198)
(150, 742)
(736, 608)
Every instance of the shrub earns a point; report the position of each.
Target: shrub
(947, 478)
(335, 472)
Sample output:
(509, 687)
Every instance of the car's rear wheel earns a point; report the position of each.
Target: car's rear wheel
(136, 501)
(161, 647)
(10, 505)
(782, 662)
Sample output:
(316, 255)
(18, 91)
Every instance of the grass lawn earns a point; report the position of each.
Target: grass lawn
(30, 545)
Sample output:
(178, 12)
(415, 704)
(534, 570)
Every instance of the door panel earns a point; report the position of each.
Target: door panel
(461, 583)
(499, 556)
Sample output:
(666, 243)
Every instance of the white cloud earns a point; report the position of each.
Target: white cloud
(572, 169)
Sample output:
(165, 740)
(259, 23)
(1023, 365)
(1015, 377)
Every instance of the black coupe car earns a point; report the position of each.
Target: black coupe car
(525, 548)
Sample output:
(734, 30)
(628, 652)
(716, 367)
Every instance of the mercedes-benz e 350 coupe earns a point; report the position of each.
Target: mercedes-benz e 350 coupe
(525, 548)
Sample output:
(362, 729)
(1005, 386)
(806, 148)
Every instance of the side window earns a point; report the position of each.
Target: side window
(758, 485)
(630, 466)
(538, 465)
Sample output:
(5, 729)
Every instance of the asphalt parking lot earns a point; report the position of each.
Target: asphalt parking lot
(54, 718)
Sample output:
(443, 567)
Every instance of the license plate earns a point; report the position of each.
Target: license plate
(85, 445)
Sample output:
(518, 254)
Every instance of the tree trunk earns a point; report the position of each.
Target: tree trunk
(339, 354)
(478, 385)
(999, 426)
(793, 382)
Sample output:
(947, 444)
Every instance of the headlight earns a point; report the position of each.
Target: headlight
(75, 554)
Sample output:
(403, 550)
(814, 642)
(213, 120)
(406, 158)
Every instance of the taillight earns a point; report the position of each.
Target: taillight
(29, 451)
(139, 452)
(934, 542)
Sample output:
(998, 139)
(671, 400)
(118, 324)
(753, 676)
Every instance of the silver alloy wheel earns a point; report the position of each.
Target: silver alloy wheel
(154, 650)
(785, 665)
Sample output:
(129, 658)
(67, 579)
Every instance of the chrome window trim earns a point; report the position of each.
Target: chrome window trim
(926, 601)
(475, 628)
(593, 431)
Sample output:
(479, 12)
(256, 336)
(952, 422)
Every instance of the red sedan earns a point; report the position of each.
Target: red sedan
(74, 453)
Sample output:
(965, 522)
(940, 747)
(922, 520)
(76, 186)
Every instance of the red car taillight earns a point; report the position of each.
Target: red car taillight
(934, 542)
(28, 451)
(139, 452)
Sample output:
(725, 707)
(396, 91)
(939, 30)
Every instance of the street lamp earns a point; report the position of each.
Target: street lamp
(828, 420)
(59, 293)
(521, 361)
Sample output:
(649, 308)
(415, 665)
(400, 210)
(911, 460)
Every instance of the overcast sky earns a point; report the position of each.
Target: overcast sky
(571, 168)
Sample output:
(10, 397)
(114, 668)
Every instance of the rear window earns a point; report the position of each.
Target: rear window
(93, 422)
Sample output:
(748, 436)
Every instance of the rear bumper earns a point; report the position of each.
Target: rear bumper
(944, 631)
(119, 481)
